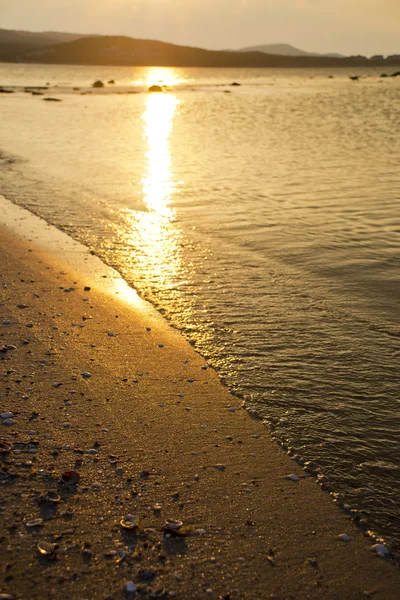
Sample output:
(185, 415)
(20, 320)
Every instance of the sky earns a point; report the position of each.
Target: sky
(346, 26)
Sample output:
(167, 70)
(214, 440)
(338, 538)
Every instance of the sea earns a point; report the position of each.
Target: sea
(262, 219)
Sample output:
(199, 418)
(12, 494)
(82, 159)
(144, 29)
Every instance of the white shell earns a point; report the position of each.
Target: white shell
(34, 523)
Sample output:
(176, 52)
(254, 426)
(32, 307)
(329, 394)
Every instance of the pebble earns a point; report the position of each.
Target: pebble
(8, 421)
(293, 477)
(130, 588)
(86, 375)
(344, 537)
(111, 334)
(7, 415)
(380, 549)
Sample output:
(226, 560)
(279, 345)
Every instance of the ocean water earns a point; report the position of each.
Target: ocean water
(262, 220)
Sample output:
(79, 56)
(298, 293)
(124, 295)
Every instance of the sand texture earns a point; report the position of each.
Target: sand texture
(103, 386)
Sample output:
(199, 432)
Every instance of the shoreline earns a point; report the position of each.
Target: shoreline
(153, 433)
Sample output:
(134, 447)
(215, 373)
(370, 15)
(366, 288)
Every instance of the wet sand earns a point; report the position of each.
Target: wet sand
(100, 384)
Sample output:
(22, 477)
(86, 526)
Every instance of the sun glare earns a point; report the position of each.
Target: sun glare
(167, 76)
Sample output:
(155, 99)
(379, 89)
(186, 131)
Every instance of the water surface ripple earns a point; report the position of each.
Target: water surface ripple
(264, 223)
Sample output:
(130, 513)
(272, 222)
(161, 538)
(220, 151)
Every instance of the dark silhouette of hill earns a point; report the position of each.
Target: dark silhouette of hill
(285, 50)
(121, 50)
(15, 44)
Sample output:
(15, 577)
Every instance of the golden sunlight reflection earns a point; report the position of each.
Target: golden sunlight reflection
(157, 184)
(151, 232)
(167, 76)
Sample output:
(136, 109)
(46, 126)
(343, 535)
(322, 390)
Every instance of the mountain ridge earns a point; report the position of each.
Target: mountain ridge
(77, 49)
(284, 49)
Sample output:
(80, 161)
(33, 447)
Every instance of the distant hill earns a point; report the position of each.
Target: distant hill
(285, 50)
(15, 44)
(51, 48)
(45, 38)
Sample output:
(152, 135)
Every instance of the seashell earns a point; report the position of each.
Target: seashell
(4, 448)
(52, 497)
(34, 523)
(157, 593)
(174, 528)
(70, 477)
(129, 522)
(46, 548)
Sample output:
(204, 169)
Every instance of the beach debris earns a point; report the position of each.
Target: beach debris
(98, 84)
(70, 477)
(381, 550)
(173, 527)
(7, 415)
(5, 448)
(34, 523)
(293, 477)
(235, 84)
(120, 555)
(52, 99)
(130, 588)
(343, 537)
(46, 548)
(155, 88)
(146, 574)
(354, 77)
(51, 497)
(111, 81)
(130, 522)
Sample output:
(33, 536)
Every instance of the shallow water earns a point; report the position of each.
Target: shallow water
(263, 222)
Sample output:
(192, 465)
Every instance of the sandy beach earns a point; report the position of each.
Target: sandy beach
(96, 382)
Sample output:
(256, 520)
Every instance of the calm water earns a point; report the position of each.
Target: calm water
(264, 223)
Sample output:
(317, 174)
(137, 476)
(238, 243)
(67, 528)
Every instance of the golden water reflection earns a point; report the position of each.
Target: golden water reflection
(168, 76)
(153, 234)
